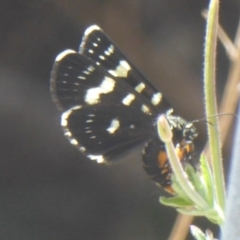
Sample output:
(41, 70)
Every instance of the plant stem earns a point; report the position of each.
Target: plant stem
(210, 101)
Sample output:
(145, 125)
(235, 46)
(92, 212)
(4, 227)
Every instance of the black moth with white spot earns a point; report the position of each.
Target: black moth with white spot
(109, 107)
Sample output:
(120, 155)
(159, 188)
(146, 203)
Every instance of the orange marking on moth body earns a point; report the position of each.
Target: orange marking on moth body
(184, 150)
(162, 158)
(169, 189)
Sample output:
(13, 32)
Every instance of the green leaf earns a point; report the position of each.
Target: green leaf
(196, 180)
(176, 202)
(208, 180)
(178, 190)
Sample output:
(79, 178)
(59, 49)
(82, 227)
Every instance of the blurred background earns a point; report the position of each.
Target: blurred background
(48, 190)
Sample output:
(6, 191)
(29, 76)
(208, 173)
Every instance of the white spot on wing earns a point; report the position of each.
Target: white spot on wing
(91, 29)
(140, 87)
(90, 68)
(65, 115)
(86, 72)
(156, 98)
(114, 125)
(128, 99)
(68, 134)
(73, 141)
(82, 149)
(109, 51)
(98, 158)
(93, 94)
(121, 70)
(145, 109)
(61, 55)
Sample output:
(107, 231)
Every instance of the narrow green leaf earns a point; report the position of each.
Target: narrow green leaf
(208, 179)
(196, 180)
(210, 101)
(176, 202)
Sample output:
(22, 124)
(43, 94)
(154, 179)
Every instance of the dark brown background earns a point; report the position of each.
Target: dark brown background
(47, 189)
